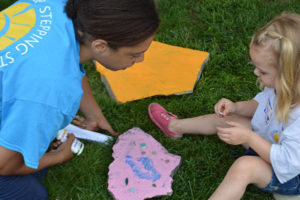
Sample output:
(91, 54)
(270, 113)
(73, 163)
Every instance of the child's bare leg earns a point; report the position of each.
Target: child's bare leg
(245, 170)
(205, 124)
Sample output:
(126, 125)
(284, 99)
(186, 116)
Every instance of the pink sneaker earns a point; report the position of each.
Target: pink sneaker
(161, 117)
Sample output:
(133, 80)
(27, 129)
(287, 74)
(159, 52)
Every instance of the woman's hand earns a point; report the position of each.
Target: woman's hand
(235, 134)
(63, 150)
(55, 144)
(94, 124)
(224, 107)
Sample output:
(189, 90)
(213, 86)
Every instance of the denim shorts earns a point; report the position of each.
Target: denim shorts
(291, 187)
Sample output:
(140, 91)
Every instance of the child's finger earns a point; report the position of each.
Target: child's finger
(231, 123)
(221, 130)
(216, 110)
(223, 137)
(221, 114)
(219, 110)
(227, 110)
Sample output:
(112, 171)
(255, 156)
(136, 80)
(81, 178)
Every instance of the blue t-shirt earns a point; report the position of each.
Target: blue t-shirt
(40, 76)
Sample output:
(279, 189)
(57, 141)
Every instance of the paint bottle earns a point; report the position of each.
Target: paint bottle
(77, 146)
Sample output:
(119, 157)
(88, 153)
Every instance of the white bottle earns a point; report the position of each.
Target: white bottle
(77, 146)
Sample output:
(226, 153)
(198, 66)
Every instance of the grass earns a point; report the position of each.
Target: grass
(221, 27)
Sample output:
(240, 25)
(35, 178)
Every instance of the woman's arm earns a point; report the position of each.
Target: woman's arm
(88, 104)
(12, 162)
(93, 114)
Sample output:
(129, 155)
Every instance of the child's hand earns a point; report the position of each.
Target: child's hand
(236, 134)
(224, 107)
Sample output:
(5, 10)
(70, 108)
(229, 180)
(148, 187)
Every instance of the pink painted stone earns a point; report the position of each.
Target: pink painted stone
(142, 167)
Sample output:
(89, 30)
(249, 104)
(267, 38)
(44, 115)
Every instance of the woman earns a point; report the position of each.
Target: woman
(43, 44)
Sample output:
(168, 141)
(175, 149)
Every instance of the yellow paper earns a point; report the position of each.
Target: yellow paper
(165, 70)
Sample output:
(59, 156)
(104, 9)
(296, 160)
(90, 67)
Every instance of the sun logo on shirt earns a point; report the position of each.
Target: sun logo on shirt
(276, 137)
(15, 22)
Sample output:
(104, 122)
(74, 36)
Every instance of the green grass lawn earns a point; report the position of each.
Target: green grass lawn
(224, 29)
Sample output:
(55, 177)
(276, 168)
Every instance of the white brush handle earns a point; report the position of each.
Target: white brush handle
(88, 135)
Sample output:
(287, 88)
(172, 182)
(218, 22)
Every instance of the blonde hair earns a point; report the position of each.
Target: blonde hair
(283, 33)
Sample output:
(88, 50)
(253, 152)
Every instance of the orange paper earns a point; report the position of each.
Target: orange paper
(165, 70)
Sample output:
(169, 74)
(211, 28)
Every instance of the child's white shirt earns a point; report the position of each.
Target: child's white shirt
(285, 138)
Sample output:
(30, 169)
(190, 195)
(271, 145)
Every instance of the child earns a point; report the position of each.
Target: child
(268, 125)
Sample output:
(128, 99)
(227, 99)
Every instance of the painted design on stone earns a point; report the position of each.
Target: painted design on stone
(139, 169)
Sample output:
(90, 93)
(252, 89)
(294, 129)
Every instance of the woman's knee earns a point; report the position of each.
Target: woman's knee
(41, 193)
(35, 189)
(26, 187)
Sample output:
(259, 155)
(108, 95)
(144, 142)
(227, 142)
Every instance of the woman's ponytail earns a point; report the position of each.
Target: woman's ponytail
(71, 8)
(120, 23)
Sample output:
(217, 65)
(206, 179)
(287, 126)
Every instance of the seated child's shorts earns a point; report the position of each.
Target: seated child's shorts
(291, 187)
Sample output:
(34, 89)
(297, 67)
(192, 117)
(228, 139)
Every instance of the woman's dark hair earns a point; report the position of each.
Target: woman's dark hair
(119, 22)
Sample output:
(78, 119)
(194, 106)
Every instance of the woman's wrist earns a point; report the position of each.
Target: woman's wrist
(93, 116)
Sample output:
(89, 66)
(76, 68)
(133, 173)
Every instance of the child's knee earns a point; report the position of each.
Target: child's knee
(243, 167)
